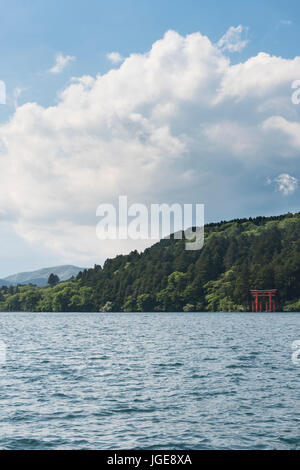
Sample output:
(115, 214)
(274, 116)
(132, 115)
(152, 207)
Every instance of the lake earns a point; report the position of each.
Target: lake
(149, 381)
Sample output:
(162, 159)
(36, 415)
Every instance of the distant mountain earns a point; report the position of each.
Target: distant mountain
(40, 276)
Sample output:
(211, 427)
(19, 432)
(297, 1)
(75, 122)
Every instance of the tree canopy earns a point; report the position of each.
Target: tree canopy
(53, 280)
(237, 256)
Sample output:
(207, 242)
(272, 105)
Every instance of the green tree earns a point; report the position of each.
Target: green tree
(108, 307)
(145, 303)
(53, 279)
(261, 252)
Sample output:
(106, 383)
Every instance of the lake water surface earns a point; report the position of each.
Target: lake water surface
(149, 381)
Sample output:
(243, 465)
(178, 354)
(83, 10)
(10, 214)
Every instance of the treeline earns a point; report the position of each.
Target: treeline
(237, 256)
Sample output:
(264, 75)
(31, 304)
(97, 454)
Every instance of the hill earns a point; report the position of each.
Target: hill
(260, 253)
(40, 276)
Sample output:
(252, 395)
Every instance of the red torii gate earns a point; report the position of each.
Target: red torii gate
(269, 295)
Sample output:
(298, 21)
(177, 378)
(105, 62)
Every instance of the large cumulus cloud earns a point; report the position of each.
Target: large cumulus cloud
(178, 123)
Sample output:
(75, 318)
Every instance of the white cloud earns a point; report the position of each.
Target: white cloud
(61, 63)
(288, 128)
(233, 137)
(115, 57)
(177, 123)
(268, 180)
(286, 184)
(263, 77)
(232, 40)
(286, 22)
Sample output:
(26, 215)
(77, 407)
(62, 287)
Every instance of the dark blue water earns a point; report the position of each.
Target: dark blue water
(149, 381)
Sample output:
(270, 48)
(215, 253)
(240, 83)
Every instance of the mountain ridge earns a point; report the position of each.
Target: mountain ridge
(237, 256)
(40, 277)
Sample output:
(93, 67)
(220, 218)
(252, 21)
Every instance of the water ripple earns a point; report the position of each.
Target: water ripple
(149, 381)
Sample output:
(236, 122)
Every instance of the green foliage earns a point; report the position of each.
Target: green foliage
(292, 306)
(237, 256)
(189, 308)
(108, 307)
(145, 303)
(53, 280)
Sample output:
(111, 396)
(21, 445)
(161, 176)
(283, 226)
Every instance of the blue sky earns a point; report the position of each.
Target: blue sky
(32, 32)
(247, 181)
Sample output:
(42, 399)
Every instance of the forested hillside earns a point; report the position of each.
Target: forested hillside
(237, 256)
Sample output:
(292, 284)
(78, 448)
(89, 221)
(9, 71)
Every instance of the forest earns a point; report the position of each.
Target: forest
(239, 255)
